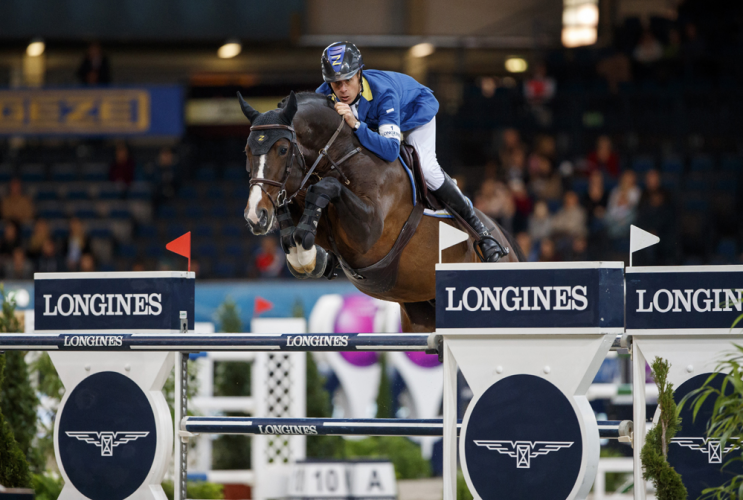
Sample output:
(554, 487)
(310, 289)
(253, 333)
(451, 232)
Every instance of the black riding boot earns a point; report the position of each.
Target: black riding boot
(450, 195)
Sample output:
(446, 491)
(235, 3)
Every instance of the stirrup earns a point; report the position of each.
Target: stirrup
(499, 252)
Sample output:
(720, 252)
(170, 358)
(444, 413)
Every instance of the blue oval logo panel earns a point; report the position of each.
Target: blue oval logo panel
(107, 437)
(697, 458)
(523, 440)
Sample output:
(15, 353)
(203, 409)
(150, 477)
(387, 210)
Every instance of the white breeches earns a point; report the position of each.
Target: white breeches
(423, 139)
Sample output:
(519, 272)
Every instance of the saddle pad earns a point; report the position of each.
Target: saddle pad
(441, 214)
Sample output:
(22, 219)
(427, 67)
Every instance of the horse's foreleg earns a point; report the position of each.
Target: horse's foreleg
(359, 219)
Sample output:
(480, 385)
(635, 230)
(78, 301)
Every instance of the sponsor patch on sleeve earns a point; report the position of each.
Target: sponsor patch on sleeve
(390, 131)
(390, 110)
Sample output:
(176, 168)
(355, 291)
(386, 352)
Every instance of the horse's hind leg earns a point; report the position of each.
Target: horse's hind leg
(418, 317)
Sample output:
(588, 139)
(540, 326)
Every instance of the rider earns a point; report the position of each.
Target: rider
(385, 108)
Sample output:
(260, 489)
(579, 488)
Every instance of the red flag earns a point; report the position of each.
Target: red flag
(182, 246)
(261, 305)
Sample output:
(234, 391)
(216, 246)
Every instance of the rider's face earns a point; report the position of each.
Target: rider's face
(347, 90)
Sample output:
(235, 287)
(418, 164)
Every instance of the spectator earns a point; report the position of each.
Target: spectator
(571, 220)
(495, 200)
(540, 222)
(655, 214)
(523, 205)
(648, 50)
(165, 175)
(78, 244)
(49, 261)
(547, 251)
(544, 149)
(94, 69)
(17, 207)
(545, 183)
(539, 91)
(11, 239)
(622, 207)
(604, 158)
(515, 166)
(40, 234)
(122, 168)
(615, 69)
(87, 263)
(510, 145)
(579, 250)
(527, 246)
(269, 259)
(595, 201)
(18, 267)
(692, 52)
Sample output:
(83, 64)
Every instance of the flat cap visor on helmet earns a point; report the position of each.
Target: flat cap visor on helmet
(340, 61)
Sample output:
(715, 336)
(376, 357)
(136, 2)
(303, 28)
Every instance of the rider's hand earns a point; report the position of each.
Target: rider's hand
(345, 111)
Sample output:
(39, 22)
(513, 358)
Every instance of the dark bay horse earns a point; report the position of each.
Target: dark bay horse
(358, 204)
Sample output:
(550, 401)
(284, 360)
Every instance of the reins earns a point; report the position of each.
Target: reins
(282, 198)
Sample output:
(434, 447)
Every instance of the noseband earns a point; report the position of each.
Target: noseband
(282, 198)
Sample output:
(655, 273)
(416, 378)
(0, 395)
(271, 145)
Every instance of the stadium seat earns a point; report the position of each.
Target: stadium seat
(100, 232)
(732, 164)
(580, 186)
(120, 212)
(78, 193)
(216, 193)
(241, 192)
(204, 231)
(641, 164)
(218, 211)
(32, 172)
(154, 250)
(672, 164)
(235, 174)
(95, 172)
(50, 212)
(85, 212)
(188, 193)
(147, 231)
(6, 172)
(140, 191)
(127, 250)
(46, 194)
(701, 163)
(232, 231)
(194, 211)
(167, 212)
(727, 248)
(206, 250)
(206, 173)
(698, 205)
(225, 269)
(63, 172)
(234, 250)
(175, 230)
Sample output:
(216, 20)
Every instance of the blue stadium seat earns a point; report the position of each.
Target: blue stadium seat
(732, 164)
(188, 193)
(206, 173)
(100, 232)
(166, 212)
(232, 231)
(225, 269)
(140, 191)
(641, 164)
(241, 192)
(154, 250)
(95, 171)
(218, 211)
(235, 174)
(6, 172)
(78, 193)
(233, 250)
(670, 182)
(672, 164)
(120, 213)
(63, 172)
(32, 172)
(46, 194)
(204, 231)
(50, 212)
(60, 232)
(727, 248)
(207, 250)
(554, 205)
(109, 192)
(727, 183)
(216, 193)
(175, 230)
(194, 211)
(697, 184)
(85, 213)
(580, 186)
(701, 163)
(106, 267)
(696, 205)
(147, 231)
(127, 250)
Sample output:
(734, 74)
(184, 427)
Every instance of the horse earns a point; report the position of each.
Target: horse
(350, 207)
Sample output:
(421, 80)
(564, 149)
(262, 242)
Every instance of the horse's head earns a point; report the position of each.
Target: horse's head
(273, 162)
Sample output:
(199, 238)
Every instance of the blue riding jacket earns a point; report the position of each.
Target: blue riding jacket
(390, 103)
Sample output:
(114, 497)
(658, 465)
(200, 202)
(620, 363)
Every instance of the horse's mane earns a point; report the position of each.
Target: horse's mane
(310, 98)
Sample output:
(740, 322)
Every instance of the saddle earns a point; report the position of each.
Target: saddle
(410, 157)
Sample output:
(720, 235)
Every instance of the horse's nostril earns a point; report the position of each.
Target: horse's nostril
(263, 219)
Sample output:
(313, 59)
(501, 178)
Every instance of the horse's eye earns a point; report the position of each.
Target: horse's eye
(282, 151)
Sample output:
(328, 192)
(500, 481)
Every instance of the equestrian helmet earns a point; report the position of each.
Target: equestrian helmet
(340, 61)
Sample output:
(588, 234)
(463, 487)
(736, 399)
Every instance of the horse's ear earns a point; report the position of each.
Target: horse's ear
(249, 112)
(290, 109)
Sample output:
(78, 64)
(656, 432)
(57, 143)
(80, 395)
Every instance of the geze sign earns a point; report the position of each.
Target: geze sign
(121, 302)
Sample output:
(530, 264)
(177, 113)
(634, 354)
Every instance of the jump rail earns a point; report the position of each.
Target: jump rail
(610, 429)
(196, 342)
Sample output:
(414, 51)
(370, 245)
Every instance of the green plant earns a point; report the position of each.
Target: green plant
(196, 489)
(654, 454)
(384, 396)
(401, 451)
(320, 406)
(47, 486)
(463, 492)
(726, 422)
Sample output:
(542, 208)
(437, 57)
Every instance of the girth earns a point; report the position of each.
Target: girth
(380, 277)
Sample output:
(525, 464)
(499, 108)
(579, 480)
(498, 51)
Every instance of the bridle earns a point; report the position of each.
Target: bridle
(281, 198)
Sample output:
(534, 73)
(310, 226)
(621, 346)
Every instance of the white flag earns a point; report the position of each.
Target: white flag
(449, 236)
(639, 239)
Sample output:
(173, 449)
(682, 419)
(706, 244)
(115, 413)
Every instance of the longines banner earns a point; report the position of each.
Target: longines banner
(113, 302)
(688, 298)
(577, 297)
(92, 111)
